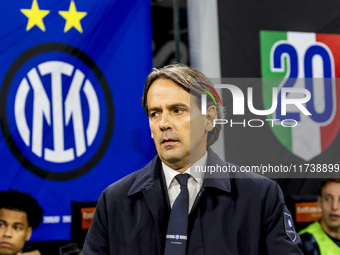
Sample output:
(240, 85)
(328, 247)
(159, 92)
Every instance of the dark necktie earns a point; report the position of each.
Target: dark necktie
(176, 237)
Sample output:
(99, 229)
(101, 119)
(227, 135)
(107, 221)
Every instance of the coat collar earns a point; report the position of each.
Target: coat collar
(217, 181)
(151, 173)
(147, 176)
(148, 182)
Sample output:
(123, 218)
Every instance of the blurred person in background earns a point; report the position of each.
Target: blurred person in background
(19, 215)
(323, 237)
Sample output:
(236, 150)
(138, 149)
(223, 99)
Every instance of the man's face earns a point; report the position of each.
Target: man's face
(330, 205)
(14, 231)
(170, 116)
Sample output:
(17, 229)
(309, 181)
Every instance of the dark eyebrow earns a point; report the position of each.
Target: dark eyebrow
(327, 194)
(15, 223)
(19, 223)
(172, 106)
(178, 105)
(153, 109)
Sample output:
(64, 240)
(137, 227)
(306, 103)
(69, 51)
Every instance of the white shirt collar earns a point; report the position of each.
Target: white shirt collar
(170, 173)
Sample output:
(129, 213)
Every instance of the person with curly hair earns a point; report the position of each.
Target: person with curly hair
(19, 214)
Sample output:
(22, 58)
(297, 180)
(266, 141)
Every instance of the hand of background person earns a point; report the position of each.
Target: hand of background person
(35, 252)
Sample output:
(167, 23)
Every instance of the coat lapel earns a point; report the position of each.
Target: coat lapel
(197, 244)
(213, 180)
(149, 181)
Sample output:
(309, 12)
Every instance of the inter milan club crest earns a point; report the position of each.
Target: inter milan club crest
(58, 111)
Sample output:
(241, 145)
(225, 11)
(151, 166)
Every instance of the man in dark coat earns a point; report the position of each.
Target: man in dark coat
(231, 213)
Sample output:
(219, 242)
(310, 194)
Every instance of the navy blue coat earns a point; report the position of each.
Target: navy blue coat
(239, 216)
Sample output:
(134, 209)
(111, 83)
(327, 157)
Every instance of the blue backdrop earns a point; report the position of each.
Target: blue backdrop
(72, 76)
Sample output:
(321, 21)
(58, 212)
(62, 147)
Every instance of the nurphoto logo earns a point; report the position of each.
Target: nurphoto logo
(282, 100)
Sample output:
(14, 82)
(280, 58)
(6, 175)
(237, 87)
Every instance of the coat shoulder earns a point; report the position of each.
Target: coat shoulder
(255, 186)
(132, 183)
(121, 187)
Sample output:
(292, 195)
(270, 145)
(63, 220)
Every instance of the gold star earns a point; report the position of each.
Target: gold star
(35, 16)
(72, 18)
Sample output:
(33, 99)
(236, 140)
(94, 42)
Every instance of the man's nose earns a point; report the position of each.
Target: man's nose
(8, 232)
(165, 123)
(336, 204)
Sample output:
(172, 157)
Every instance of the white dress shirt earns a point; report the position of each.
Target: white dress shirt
(194, 183)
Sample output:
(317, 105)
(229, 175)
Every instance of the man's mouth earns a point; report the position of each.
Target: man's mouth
(169, 141)
(334, 217)
(5, 244)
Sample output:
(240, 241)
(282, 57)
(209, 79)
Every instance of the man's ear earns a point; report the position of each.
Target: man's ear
(28, 233)
(211, 116)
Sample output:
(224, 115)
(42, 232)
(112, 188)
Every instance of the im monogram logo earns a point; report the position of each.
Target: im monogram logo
(58, 116)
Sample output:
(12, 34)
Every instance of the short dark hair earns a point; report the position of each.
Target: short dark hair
(326, 181)
(23, 202)
(192, 81)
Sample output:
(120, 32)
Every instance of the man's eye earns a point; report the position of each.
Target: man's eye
(179, 110)
(328, 199)
(17, 228)
(154, 114)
